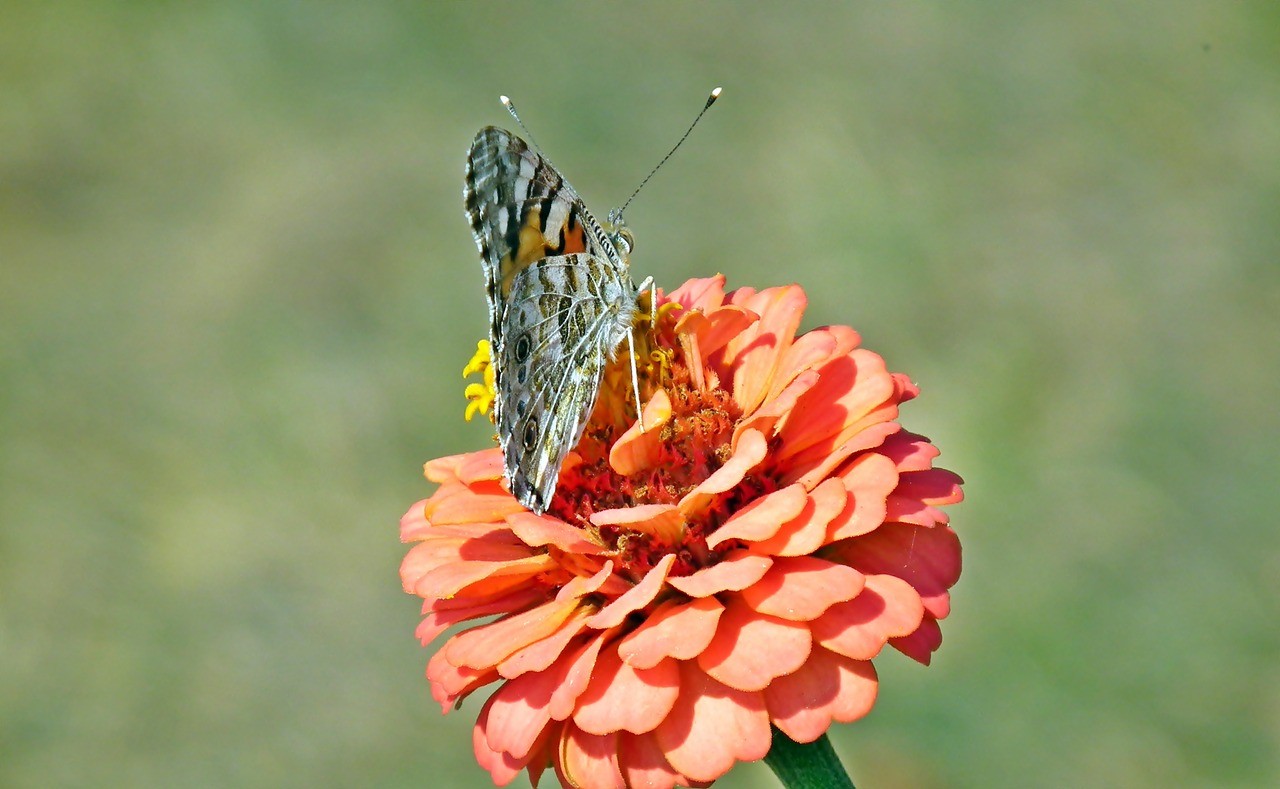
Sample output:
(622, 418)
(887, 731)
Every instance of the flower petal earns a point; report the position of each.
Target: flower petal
(801, 588)
(807, 532)
(827, 688)
(886, 608)
(747, 454)
(750, 649)
(589, 760)
(712, 726)
(625, 698)
(488, 645)
(539, 530)
(637, 450)
(677, 629)
(735, 572)
(762, 518)
(635, 598)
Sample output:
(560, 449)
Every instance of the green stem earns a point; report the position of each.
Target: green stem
(806, 766)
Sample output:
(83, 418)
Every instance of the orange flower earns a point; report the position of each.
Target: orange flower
(735, 564)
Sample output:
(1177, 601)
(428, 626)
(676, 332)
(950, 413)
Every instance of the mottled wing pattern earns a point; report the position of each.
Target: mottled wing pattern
(566, 316)
(560, 302)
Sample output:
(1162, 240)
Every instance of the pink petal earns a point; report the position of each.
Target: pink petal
(887, 607)
(635, 598)
(927, 559)
(625, 698)
(828, 688)
(677, 629)
(713, 726)
(733, 573)
(801, 588)
(763, 517)
(750, 649)
(921, 644)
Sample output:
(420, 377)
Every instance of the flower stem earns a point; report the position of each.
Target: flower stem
(806, 766)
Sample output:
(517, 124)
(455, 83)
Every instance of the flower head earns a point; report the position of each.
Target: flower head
(733, 564)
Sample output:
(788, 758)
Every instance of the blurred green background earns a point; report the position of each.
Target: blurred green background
(237, 290)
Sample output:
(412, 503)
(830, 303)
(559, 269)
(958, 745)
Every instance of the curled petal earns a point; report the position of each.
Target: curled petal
(734, 573)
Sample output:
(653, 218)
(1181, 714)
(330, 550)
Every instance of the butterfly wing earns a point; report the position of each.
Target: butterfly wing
(565, 318)
(553, 275)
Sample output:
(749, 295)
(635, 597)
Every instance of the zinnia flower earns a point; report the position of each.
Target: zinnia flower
(733, 566)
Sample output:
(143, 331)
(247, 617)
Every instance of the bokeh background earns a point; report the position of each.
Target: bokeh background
(237, 291)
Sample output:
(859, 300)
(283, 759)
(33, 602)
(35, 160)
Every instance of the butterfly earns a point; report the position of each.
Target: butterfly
(561, 301)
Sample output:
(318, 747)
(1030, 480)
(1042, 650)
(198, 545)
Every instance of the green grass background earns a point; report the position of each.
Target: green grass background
(237, 290)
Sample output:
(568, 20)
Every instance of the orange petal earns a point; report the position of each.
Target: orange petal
(589, 760)
(518, 713)
(540, 530)
(477, 466)
(539, 655)
(699, 294)
(754, 354)
(625, 698)
(886, 608)
(576, 676)
(747, 454)
(807, 532)
(734, 572)
(637, 450)
(443, 614)
(801, 588)
(664, 521)
(828, 688)
(490, 644)
(762, 518)
(750, 649)
(502, 767)
(645, 765)
(869, 480)
(713, 726)
(635, 598)
(678, 629)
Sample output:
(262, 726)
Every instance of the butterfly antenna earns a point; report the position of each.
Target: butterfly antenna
(511, 108)
(715, 94)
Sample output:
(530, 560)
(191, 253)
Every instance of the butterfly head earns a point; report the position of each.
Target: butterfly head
(620, 234)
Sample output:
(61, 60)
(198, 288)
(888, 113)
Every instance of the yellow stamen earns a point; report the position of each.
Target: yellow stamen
(480, 396)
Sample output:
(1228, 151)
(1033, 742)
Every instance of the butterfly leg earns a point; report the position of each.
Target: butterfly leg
(631, 341)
